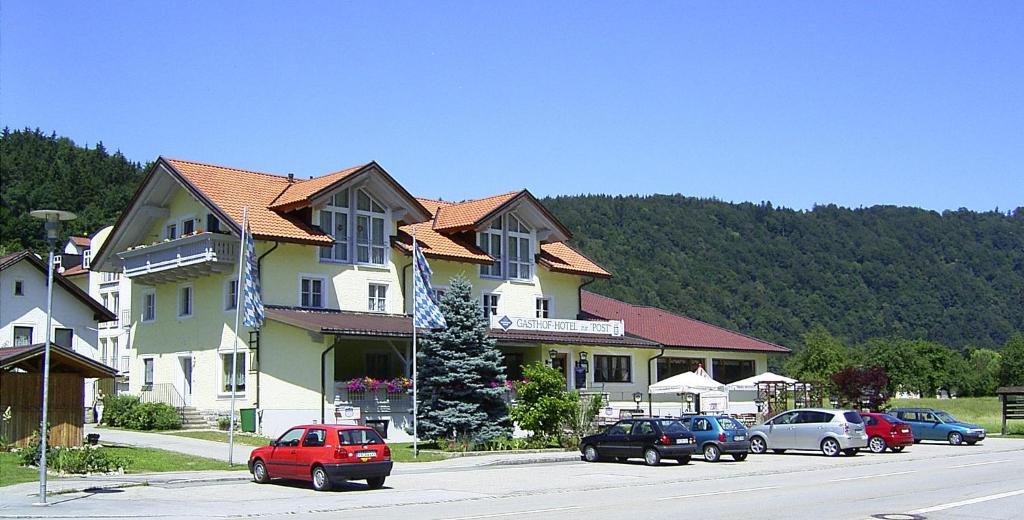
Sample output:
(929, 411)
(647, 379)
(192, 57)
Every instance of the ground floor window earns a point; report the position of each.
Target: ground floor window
(63, 336)
(612, 369)
(514, 366)
(378, 297)
(147, 371)
(22, 336)
(239, 372)
(669, 366)
(726, 371)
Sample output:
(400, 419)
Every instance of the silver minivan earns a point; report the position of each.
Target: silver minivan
(831, 431)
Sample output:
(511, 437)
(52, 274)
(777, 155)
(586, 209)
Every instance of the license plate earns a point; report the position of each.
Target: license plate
(904, 430)
(740, 437)
(366, 454)
(682, 441)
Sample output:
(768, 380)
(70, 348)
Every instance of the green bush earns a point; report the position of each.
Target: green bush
(87, 459)
(543, 402)
(117, 409)
(31, 454)
(153, 416)
(223, 423)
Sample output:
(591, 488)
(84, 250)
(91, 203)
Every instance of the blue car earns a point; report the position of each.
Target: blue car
(718, 435)
(937, 425)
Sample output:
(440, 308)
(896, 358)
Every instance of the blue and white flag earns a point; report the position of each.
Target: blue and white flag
(426, 313)
(253, 303)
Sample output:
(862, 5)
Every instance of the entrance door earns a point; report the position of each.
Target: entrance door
(186, 379)
(561, 364)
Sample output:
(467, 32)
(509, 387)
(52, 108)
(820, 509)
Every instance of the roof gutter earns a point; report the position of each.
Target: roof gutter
(579, 296)
(323, 375)
(259, 274)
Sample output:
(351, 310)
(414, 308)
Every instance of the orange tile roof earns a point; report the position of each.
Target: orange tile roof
(467, 214)
(231, 189)
(81, 241)
(74, 270)
(561, 257)
(436, 245)
(300, 191)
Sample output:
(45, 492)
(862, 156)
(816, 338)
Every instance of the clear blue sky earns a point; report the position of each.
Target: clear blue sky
(857, 103)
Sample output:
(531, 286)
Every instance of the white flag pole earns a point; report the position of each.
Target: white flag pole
(234, 348)
(415, 388)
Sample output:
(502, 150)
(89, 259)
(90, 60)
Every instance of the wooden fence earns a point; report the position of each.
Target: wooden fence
(22, 392)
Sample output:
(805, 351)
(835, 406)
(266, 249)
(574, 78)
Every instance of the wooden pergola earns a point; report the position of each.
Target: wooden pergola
(21, 392)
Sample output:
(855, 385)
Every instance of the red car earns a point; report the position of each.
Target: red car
(324, 454)
(885, 431)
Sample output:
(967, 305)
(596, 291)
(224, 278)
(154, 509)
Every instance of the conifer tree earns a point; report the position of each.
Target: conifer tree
(461, 375)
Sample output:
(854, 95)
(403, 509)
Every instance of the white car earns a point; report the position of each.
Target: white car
(831, 431)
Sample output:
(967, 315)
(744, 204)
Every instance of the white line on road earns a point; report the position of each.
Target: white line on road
(719, 493)
(514, 513)
(980, 463)
(873, 476)
(967, 502)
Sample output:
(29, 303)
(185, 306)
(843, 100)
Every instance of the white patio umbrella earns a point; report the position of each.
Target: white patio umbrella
(750, 383)
(685, 383)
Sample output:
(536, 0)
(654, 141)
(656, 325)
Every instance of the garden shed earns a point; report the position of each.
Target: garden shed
(21, 391)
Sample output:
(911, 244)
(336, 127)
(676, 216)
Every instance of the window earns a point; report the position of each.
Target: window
(86, 258)
(490, 243)
(171, 231)
(729, 370)
(620, 428)
(19, 288)
(543, 307)
(314, 438)
(520, 259)
(212, 223)
(113, 352)
(148, 306)
(359, 437)
(115, 300)
(231, 295)
(612, 369)
(370, 239)
(334, 221)
(439, 293)
(188, 227)
(22, 336)
(514, 366)
(104, 351)
(185, 301)
(378, 365)
(57, 261)
(147, 371)
(291, 437)
(311, 292)
(378, 297)
(489, 302)
(63, 336)
(110, 277)
(225, 360)
(668, 366)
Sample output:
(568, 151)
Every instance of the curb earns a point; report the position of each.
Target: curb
(461, 454)
(86, 487)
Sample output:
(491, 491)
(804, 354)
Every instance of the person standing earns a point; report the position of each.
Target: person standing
(97, 406)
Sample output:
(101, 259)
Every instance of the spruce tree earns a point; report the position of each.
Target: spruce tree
(461, 376)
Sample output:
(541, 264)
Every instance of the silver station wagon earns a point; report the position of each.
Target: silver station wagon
(831, 431)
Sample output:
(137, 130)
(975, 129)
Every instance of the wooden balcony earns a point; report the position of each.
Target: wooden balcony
(181, 259)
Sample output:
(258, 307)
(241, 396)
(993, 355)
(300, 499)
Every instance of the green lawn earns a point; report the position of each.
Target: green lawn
(402, 452)
(247, 439)
(12, 473)
(983, 411)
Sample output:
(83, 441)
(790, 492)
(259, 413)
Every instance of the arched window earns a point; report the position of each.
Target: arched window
(510, 242)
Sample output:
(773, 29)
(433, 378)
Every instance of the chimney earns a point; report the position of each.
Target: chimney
(291, 177)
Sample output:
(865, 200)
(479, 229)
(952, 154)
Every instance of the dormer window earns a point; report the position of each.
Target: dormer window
(368, 224)
(334, 221)
(86, 258)
(510, 234)
(370, 230)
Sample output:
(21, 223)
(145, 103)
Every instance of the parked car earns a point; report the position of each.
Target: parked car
(717, 435)
(831, 431)
(936, 425)
(324, 454)
(651, 439)
(885, 431)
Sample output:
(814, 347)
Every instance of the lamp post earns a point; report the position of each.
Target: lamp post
(552, 354)
(53, 218)
(638, 398)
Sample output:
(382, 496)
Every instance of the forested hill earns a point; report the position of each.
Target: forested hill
(39, 171)
(956, 278)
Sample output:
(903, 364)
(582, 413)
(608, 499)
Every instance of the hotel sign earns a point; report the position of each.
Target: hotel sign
(604, 328)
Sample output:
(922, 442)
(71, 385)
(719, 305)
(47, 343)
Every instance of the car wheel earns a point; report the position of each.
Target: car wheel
(712, 453)
(851, 452)
(259, 472)
(876, 444)
(757, 445)
(740, 457)
(375, 482)
(590, 454)
(955, 438)
(830, 447)
(683, 460)
(321, 482)
(972, 443)
(780, 452)
(652, 457)
(897, 449)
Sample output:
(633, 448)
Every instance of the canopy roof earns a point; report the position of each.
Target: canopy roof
(750, 383)
(685, 383)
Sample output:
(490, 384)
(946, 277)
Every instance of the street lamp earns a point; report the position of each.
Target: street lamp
(637, 398)
(552, 354)
(53, 218)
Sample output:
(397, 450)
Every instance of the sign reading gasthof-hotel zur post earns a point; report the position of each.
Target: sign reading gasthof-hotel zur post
(606, 328)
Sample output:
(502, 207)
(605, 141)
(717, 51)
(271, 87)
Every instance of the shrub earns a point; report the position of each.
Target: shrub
(31, 454)
(223, 423)
(153, 416)
(117, 409)
(582, 418)
(87, 459)
(543, 403)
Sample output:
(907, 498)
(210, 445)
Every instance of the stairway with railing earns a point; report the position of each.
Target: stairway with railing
(164, 393)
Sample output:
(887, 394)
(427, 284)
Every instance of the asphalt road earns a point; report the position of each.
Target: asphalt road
(932, 481)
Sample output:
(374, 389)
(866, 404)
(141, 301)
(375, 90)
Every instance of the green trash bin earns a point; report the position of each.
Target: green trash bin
(248, 416)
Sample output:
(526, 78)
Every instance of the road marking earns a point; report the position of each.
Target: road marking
(980, 463)
(872, 476)
(967, 502)
(719, 493)
(514, 513)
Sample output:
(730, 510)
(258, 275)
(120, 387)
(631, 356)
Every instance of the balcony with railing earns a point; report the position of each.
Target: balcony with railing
(184, 258)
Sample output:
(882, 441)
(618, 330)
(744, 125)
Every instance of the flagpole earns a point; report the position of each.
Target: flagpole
(234, 347)
(415, 388)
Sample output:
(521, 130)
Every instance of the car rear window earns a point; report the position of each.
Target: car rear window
(728, 424)
(359, 437)
(853, 417)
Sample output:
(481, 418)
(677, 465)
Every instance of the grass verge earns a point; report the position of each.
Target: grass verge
(402, 452)
(218, 436)
(983, 411)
